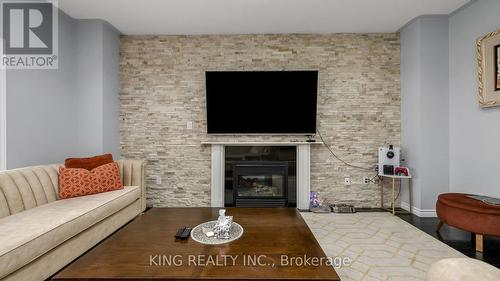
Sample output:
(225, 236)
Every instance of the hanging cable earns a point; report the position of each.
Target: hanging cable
(338, 158)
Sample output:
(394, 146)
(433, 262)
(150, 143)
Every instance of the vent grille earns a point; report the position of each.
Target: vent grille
(260, 203)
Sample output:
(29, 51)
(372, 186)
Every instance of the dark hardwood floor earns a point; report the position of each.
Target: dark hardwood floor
(460, 240)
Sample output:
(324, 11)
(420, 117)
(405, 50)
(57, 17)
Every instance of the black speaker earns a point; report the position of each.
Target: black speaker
(388, 170)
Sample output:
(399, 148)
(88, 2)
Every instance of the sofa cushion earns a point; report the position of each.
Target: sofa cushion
(27, 188)
(27, 235)
(107, 177)
(80, 182)
(75, 182)
(88, 163)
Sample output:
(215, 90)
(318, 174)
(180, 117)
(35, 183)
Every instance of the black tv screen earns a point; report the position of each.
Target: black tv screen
(261, 102)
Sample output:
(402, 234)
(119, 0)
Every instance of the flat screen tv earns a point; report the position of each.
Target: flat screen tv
(261, 102)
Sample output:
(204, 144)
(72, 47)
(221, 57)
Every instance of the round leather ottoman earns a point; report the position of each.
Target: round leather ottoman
(461, 211)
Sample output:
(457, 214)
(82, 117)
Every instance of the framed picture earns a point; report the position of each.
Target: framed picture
(488, 70)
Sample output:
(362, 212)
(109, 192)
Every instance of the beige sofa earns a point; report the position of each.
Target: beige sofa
(40, 234)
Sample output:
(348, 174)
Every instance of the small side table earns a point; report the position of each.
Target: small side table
(394, 177)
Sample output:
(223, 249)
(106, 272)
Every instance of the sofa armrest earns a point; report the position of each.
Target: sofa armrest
(133, 174)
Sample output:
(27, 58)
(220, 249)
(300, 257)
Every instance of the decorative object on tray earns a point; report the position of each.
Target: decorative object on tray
(221, 228)
(221, 231)
(488, 69)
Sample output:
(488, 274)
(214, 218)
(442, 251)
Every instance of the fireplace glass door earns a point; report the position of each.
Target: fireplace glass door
(260, 184)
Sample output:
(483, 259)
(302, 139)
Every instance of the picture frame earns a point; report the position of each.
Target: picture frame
(488, 69)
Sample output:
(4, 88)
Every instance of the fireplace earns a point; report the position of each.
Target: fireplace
(260, 184)
(261, 176)
(224, 155)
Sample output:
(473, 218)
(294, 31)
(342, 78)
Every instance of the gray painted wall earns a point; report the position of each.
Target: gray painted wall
(424, 95)
(474, 132)
(452, 144)
(111, 90)
(41, 107)
(71, 111)
(434, 110)
(410, 106)
(89, 86)
(98, 79)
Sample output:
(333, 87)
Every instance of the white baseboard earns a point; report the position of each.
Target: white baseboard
(423, 213)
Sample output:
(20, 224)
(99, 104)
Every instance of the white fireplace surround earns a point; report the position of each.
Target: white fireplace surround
(303, 169)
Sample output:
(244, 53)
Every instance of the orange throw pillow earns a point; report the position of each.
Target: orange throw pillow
(74, 182)
(88, 163)
(107, 177)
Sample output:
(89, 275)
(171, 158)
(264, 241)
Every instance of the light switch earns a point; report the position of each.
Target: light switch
(189, 125)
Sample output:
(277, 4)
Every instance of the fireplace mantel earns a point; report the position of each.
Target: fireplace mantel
(303, 169)
(260, 143)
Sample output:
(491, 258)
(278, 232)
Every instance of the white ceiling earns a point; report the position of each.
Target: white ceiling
(256, 16)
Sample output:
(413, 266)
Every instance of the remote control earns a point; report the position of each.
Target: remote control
(183, 233)
(179, 232)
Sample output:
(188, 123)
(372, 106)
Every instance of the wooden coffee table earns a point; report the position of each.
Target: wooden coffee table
(146, 249)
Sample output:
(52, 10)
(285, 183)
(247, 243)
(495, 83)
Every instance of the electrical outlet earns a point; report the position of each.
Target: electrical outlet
(189, 125)
(157, 179)
(366, 180)
(347, 180)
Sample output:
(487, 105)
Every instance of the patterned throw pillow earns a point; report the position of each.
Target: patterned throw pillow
(74, 182)
(107, 177)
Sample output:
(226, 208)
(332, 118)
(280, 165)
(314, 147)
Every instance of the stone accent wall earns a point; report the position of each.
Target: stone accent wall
(163, 87)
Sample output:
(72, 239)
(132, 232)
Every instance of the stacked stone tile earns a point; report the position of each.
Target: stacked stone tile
(163, 87)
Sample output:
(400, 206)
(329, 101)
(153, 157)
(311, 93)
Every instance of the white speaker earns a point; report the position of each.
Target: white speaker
(388, 156)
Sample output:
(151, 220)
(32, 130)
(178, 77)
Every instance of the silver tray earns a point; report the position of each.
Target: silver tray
(235, 232)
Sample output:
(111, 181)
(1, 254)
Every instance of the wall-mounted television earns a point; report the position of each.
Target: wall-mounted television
(261, 102)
